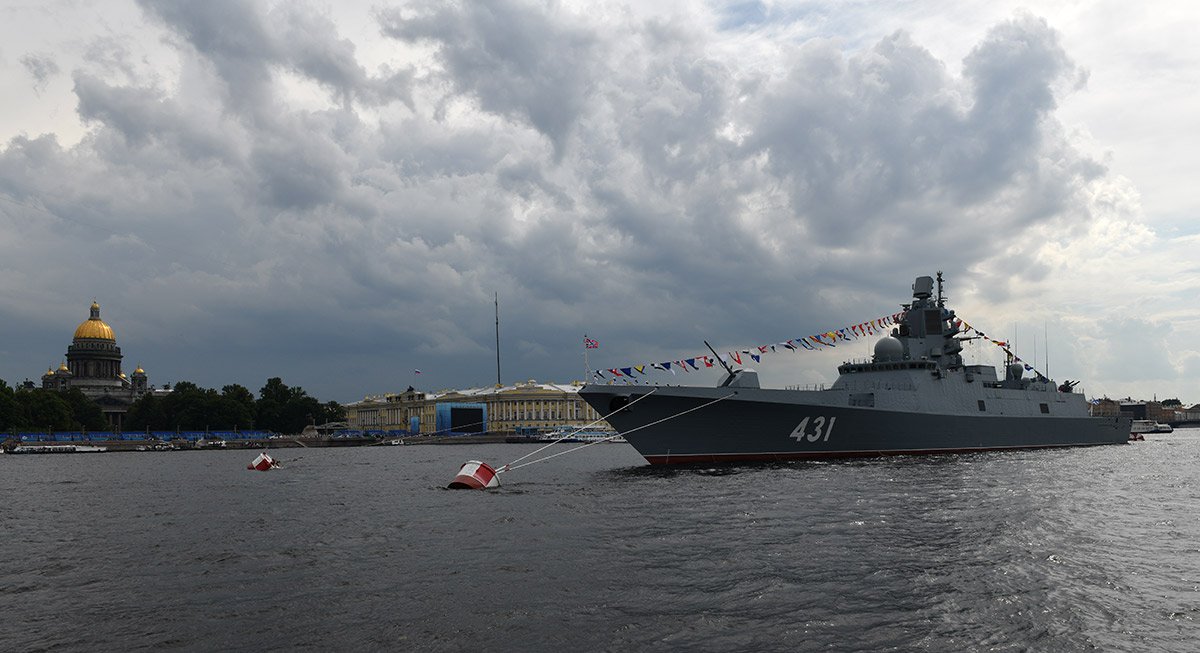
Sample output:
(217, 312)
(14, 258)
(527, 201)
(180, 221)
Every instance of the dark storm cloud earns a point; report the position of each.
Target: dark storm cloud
(615, 176)
(518, 59)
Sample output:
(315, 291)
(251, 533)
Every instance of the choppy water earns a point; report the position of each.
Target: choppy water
(361, 549)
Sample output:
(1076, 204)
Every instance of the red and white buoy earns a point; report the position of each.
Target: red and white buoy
(263, 463)
(474, 475)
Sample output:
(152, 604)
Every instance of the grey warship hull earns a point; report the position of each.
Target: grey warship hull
(915, 396)
(766, 425)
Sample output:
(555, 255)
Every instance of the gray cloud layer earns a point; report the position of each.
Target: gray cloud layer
(613, 176)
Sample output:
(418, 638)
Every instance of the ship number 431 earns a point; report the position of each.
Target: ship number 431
(819, 430)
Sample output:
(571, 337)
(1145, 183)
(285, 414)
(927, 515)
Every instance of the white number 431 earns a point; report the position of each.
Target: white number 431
(820, 429)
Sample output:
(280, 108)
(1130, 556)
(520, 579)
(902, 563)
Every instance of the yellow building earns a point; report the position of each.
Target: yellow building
(528, 405)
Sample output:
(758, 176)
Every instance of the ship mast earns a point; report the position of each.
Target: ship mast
(497, 339)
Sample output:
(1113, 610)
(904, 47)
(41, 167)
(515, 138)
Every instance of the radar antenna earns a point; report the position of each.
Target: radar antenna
(941, 300)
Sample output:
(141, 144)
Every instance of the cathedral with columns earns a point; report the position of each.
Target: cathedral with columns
(93, 365)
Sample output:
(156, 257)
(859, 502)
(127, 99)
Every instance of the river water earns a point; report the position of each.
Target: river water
(363, 549)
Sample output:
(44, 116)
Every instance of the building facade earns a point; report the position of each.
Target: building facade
(93, 365)
(507, 409)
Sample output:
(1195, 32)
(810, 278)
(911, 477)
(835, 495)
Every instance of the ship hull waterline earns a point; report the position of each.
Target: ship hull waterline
(756, 425)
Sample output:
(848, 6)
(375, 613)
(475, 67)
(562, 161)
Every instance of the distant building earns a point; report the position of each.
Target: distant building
(507, 409)
(93, 365)
(1105, 408)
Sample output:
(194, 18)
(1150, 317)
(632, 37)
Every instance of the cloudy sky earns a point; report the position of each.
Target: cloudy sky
(333, 193)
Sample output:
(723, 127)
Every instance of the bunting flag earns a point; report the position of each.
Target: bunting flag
(967, 329)
(814, 342)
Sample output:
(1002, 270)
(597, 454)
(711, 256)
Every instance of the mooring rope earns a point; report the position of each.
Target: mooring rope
(509, 466)
(577, 431)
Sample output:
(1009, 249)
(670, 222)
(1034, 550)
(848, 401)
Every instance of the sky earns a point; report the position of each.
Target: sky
(336, 194)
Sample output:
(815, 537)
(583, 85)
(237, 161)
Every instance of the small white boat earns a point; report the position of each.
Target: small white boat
(565, 433)
(57, 448)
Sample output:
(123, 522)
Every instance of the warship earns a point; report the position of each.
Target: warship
(915, 395)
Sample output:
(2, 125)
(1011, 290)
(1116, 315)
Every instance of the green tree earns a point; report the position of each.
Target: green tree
(146, 413)
(333, 412)
(46, 409)
(85, 413)
(238, 404)
(13, 413)
(286, 410)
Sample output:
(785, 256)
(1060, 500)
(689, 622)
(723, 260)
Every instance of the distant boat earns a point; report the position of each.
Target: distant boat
(58, 448)
(1140, 427)
(566, 433)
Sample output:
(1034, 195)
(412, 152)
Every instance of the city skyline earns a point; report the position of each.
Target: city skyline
(332, 195)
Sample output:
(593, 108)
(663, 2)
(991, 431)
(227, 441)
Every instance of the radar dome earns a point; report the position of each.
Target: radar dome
(888, 349)
(1015, 370)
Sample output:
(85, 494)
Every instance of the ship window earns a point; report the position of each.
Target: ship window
(1045, 408)
(982, 407)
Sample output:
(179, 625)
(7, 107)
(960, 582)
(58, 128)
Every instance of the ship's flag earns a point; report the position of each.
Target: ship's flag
(641, 369)
(736, 356)
(708, 362)
(417, 371)
(588, 343)
(692, 362)
(627, 371)
(614, 372)
(756, 357)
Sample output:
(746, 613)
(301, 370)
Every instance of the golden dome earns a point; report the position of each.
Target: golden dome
(95, 328)
(122, 375)
(63, 367)
(139, 370)
(49, 371)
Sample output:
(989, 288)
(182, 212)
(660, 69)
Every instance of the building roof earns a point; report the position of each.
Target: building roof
(94, 328)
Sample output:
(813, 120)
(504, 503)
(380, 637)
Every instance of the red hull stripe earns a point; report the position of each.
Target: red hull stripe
(678, 459)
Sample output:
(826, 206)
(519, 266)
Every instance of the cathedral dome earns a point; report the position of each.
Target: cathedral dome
(95, 328)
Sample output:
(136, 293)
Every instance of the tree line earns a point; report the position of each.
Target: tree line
(188, 407)
(37, 409)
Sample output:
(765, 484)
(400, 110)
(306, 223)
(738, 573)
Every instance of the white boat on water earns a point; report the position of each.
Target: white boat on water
(57, 448)
(566, 433)
(1140, 427)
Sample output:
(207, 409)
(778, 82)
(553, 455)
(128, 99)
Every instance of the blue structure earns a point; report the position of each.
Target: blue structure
(459, 419)
(139, 436)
